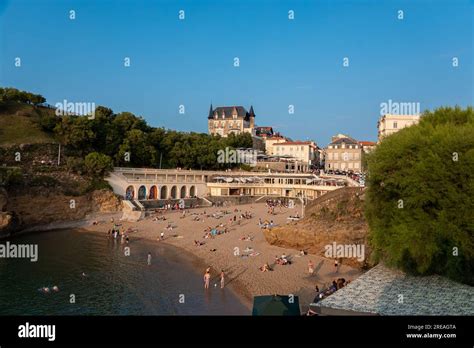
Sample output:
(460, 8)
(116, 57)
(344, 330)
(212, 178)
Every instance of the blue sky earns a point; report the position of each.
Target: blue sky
(282, 61)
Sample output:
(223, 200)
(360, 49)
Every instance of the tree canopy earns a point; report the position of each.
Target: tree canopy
(420, 196)
(15, 95)
(97, 164)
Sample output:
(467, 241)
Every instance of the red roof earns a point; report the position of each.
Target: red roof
(367, 143)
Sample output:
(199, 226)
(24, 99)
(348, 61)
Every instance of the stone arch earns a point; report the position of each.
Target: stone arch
(130, 193)
(174, 192)
(153, 192)
(182, 193)
(142, 192)
(164, 192)
(192, 191)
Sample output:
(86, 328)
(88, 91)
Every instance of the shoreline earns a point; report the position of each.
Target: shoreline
(197, 263)
(242, 274)
(60, 225)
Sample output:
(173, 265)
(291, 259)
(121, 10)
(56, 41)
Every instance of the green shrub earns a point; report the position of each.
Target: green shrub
(44, 181)
(98, 165)
(10, 176)
(98, 184)
(75, 165)
(420, 196)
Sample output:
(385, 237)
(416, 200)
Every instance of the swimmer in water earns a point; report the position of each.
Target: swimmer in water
(84, 275)
(45, 289)
(149, 259)
(55, 288)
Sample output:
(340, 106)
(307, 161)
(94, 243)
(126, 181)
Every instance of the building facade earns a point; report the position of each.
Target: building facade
(302, 151)
(270, 143)
(367, 146)
(389, 124)
(343, 153)
(225, 120)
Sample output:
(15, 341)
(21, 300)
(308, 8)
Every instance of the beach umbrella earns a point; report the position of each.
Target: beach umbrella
(277, 305)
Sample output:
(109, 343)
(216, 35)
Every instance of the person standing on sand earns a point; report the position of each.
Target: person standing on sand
(310, 267)
(207, 277)
(336, 265)
(222, 279)
(149, 259)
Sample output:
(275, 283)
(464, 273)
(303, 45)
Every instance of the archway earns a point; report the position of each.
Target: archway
(153, 192)
(142, 192)
(130, 193)
(174, 192)
(192, 191)
(164, 192)
(183, 192)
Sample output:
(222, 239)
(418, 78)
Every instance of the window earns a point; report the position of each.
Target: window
(356, 165)
(302, 148)
(395, 125)
(336, 156)
(330, 146)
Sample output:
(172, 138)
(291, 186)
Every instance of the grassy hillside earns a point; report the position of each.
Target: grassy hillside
(20, 124)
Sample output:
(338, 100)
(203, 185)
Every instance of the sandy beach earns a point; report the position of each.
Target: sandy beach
(240, 259)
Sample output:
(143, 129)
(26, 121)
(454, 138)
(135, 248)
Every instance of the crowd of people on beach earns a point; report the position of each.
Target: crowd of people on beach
(210, 232)
(228, 218)
(327, 291)
(115, 232)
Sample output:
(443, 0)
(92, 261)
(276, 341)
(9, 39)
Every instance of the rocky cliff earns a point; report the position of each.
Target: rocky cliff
(339, 219)
(35, 208)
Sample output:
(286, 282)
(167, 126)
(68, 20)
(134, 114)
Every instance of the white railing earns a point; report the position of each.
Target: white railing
(292, 186)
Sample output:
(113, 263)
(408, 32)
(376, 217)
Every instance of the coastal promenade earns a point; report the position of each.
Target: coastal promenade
(153, 184)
